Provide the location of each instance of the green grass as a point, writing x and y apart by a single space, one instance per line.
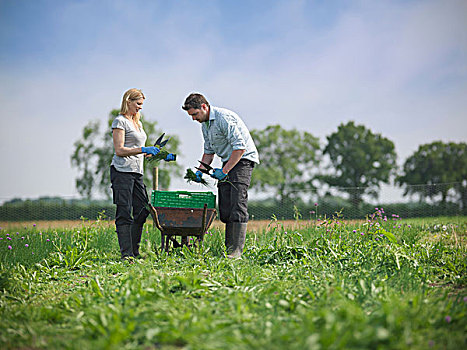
374 285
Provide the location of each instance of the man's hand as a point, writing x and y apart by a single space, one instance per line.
150 150
199 176
218 174
170 157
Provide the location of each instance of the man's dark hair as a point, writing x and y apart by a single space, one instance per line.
195 101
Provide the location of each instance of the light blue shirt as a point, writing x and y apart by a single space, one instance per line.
225 132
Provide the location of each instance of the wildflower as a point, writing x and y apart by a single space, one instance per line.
9 238
22 237
1 238
465 299
409 226
448 319
40 233
33 225
7 234
285 232
362 233
354 231
376 208
26 245
17 233
312 212
10 247
48 240
316 204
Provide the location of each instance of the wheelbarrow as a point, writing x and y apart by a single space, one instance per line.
183 222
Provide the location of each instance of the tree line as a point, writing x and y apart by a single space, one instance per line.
353 161
357 162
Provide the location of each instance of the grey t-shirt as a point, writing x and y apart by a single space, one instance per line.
133 139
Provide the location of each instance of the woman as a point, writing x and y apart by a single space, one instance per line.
126 173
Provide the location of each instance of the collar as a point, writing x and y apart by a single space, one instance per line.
212 113
212 116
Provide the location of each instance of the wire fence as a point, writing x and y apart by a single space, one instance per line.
433 200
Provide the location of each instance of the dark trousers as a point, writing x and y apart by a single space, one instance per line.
233 195
130 196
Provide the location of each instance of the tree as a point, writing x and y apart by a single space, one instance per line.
93 154
361 161
288 158
433 164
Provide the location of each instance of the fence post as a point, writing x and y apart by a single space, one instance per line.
155 178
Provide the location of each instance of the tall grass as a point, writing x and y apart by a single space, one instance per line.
331 285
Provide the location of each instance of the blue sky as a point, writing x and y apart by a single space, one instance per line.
397 67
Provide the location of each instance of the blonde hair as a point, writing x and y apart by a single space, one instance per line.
131 95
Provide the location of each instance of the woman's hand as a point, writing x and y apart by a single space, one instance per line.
150 150
171 157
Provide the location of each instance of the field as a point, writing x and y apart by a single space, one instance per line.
332 284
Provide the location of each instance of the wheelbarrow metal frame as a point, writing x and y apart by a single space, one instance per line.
183 222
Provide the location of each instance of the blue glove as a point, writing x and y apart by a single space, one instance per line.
170 157
218 174
150 150
199 176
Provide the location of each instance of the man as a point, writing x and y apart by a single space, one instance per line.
226 135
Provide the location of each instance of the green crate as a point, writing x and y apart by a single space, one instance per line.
183 199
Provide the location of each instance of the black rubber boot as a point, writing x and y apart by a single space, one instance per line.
124 240
229 244
136 232
237 236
